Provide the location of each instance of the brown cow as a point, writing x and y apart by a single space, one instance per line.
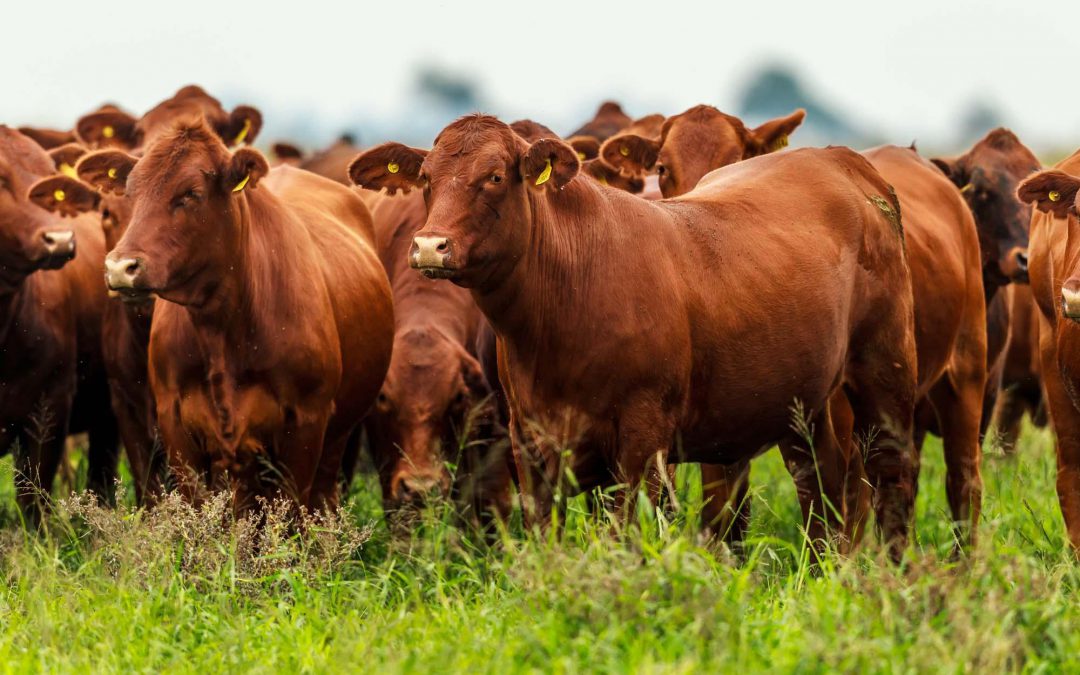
111 127
51 377
126 325
611 337
988 175
943 252
276 327
434 408
608 120
1054 269
695 142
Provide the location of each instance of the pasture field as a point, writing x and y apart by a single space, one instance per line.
177 591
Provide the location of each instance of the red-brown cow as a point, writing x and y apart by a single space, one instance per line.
608 120
51 377
126 325
277 325
611 337
1054 270
435 407
695 142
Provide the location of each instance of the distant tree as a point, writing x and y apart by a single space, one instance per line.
451 91
979 117
777 90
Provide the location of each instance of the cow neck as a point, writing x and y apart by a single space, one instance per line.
258 291
549 282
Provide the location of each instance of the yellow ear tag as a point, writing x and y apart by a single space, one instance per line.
967 188
781 142
59 195
581 156
545 174
241 184
624 151
243 132
107 131
1054 195
112 172
68 170
393 167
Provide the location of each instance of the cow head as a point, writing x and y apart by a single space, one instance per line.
988 175
48 138
1056 192
434 400
480 181
695 142
188 200
31 238
608 120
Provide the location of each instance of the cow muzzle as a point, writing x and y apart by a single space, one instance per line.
59 247
1070 299
1016 265
125 277
431 256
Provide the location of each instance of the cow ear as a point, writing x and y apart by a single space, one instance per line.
1050 191
246 169
47 138
287 152
66 157
586 147
549 162
242 127
64 195
107 128
605 175
773 135
106 170
391 165
950 166
630 153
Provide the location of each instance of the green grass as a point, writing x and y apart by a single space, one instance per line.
175 591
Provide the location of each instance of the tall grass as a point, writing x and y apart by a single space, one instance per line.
190 590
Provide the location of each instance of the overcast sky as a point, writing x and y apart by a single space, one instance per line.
907 68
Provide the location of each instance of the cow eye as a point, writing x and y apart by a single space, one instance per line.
496 178
382 402
107 219
661 169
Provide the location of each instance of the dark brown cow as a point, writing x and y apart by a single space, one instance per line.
988 175
1054 270
608 120
612 340
693 143
435 407
51 377
276 327
331 162
1021 385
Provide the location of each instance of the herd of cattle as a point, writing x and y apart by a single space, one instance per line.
639 294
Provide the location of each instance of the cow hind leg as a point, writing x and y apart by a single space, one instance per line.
726 509
882 394
103 456
957 398
819 468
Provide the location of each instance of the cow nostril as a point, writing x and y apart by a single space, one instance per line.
1022 260
132 268
443 247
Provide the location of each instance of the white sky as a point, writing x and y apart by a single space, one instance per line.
906 68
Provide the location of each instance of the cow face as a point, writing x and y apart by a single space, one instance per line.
988 176
31 238
186 196
431 404
1056 192
693 143
478 181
